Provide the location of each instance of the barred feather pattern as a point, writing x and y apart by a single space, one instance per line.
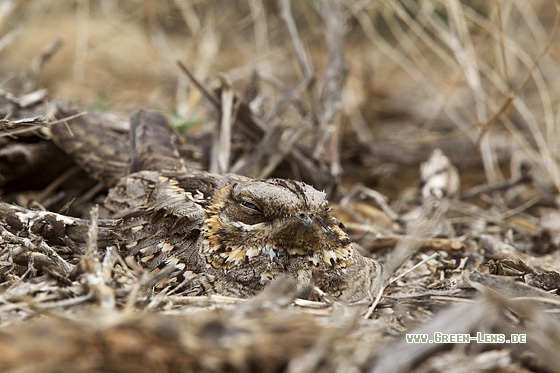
228 234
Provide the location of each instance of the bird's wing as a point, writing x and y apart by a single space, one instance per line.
162 217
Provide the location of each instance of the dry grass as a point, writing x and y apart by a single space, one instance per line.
350 96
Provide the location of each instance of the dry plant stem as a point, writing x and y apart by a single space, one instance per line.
476 213
363 132
260 30
276 144
71 231
374 304
32 98
481 189
23 122
465 54
505 105
32 74
285 147
68 118
264 150
395 279
94 273
206 300
310 304
334 19
301 52
523 207
252 125
408 64
302 160
22 130
506 286
247 118
23 125
257 128
403 251
35 255
429 243
109 260
206 93
555 302
359 189
265 158
501 41
290 96
131 300
189 15
9 38
463 48
66 302
450 299
409 244
252 166
222 139
545 140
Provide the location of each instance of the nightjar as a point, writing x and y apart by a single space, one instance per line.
226 234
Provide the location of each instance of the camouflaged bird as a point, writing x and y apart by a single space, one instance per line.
228 234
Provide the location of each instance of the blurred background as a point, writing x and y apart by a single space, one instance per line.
477 79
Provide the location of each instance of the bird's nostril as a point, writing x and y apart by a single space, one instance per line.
302 216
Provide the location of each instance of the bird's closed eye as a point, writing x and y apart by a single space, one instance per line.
251 206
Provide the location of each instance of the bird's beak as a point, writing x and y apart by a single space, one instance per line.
306 219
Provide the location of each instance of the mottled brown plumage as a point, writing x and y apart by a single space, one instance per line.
229 234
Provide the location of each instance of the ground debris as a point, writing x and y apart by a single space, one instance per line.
440 160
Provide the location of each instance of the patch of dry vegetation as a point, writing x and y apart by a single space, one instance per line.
351 96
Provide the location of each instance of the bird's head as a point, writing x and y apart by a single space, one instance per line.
272 218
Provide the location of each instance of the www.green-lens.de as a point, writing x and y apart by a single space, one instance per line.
465 338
